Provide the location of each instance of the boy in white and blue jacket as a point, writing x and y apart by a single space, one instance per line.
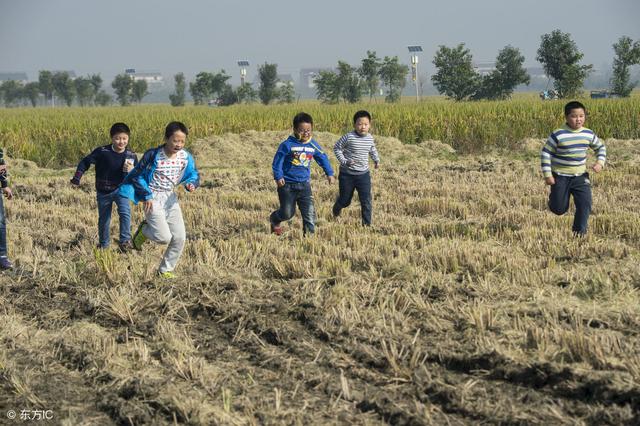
292 173
152 181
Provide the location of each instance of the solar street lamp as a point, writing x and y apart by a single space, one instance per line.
413 50
243 70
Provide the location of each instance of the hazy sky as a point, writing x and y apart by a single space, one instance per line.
107 36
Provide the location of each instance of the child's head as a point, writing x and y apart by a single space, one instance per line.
575 113
175 136
302 126
119 136
362 122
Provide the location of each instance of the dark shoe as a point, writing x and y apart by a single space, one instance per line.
275 229
5 263
336 210
139 238
126 246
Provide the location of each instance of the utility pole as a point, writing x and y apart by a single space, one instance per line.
414 68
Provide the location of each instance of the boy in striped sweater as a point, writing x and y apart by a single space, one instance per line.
353 151
563 160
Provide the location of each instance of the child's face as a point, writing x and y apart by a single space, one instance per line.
575 119
175 143
303 131
119 141
362 125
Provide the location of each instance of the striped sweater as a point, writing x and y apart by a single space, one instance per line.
353 151
565 152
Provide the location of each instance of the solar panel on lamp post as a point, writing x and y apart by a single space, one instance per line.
414 67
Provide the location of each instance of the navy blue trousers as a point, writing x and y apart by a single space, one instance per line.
578 187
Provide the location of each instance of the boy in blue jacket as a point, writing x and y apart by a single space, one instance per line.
152 181
292 172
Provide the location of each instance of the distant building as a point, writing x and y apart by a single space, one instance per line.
484 68
20 77
153 78
308 75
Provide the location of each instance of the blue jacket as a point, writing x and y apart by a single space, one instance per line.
136 184
293 160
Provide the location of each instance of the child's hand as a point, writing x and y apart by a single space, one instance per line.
550 180
3 169
331 179
376 165
597 167
148 206
190 187
127 166
7 192
280 182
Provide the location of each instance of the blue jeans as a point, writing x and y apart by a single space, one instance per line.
3 229
105 201
293 193
580 188
349 183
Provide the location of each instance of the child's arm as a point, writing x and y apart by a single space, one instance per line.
338 150
4 182
278 161
373 153
548 151
140 185
601 153
84 165
192 177
323 161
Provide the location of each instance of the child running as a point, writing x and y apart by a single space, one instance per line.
5 263
292 173
353 151
563 160
153 182
112 163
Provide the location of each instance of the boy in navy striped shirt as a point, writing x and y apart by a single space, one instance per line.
563 161
353 151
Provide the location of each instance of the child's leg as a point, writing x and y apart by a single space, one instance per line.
287 198
124 213
307 210
363 186
104 218
3 230
581 191
559 195
156 228
346 186
178 236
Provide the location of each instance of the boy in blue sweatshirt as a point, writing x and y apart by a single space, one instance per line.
292 172
112 163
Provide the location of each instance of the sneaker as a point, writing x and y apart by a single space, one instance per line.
276 229
125 247
335 210
139 238
5 263
168 275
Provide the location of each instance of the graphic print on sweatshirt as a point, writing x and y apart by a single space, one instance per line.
302 155
168 171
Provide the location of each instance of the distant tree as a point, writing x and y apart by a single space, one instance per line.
139 90
123 85
177 98
228 96
627 54
84 90
103 98
45 83
208 85
327 87
369 71
12 92
63 86
560 57
268 75
31 91
455 76
286 93
96 83
349 82
394 77
246 93
509 73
